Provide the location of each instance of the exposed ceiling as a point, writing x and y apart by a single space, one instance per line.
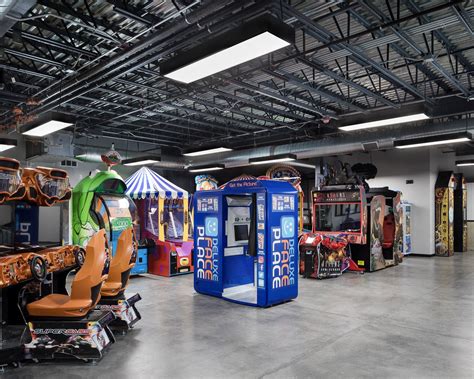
98 60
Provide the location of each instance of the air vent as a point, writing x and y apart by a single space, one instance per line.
370 146
68 163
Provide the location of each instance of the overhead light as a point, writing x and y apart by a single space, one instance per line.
207 168
251 40
273 159
465 162
442 139
207 151
46 124
141 161
385 122
7 143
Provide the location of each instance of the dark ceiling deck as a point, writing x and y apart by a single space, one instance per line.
98 60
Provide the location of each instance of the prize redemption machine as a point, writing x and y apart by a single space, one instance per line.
99 203
164 222
246 242
33 274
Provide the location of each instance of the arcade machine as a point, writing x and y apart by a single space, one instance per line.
205 182
460 214
28 271
99 202
164 214
322 257
345 207
113 290
406 227
246 240
444 214
293 176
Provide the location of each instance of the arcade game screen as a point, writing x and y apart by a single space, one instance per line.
338 217
172 217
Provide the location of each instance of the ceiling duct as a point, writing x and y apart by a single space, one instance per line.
370 146
337 145
14 8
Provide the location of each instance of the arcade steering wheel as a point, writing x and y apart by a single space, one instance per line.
39 268
80 257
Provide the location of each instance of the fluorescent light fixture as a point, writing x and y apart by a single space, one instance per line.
465 162
442 139
46 124
387 121
141 161
273 159
207 168
207 151
7 143
251 40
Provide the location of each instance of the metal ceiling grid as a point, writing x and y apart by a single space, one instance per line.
99 60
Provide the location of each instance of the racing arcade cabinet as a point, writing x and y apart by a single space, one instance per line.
29 271
99 202
246 240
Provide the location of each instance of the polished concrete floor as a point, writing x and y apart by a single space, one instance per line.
411 321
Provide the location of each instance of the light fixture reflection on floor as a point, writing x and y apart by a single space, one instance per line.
442 139
214 150
251 40
385 122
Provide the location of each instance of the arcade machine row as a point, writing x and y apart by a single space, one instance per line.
246 242
366 221
29 270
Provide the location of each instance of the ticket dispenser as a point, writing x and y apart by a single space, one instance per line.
246 242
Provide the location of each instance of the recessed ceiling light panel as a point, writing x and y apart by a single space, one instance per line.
46 124
251 40
207 151
442 139
385 122
273 159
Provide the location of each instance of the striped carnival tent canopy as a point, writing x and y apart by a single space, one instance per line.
147 183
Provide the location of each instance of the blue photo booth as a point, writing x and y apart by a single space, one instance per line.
246 242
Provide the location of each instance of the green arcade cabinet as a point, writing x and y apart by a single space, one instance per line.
99 201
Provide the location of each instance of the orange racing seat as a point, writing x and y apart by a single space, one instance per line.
121 265
86 286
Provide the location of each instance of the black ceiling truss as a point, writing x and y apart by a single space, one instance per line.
354 57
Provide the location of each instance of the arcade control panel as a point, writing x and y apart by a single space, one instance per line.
18 267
